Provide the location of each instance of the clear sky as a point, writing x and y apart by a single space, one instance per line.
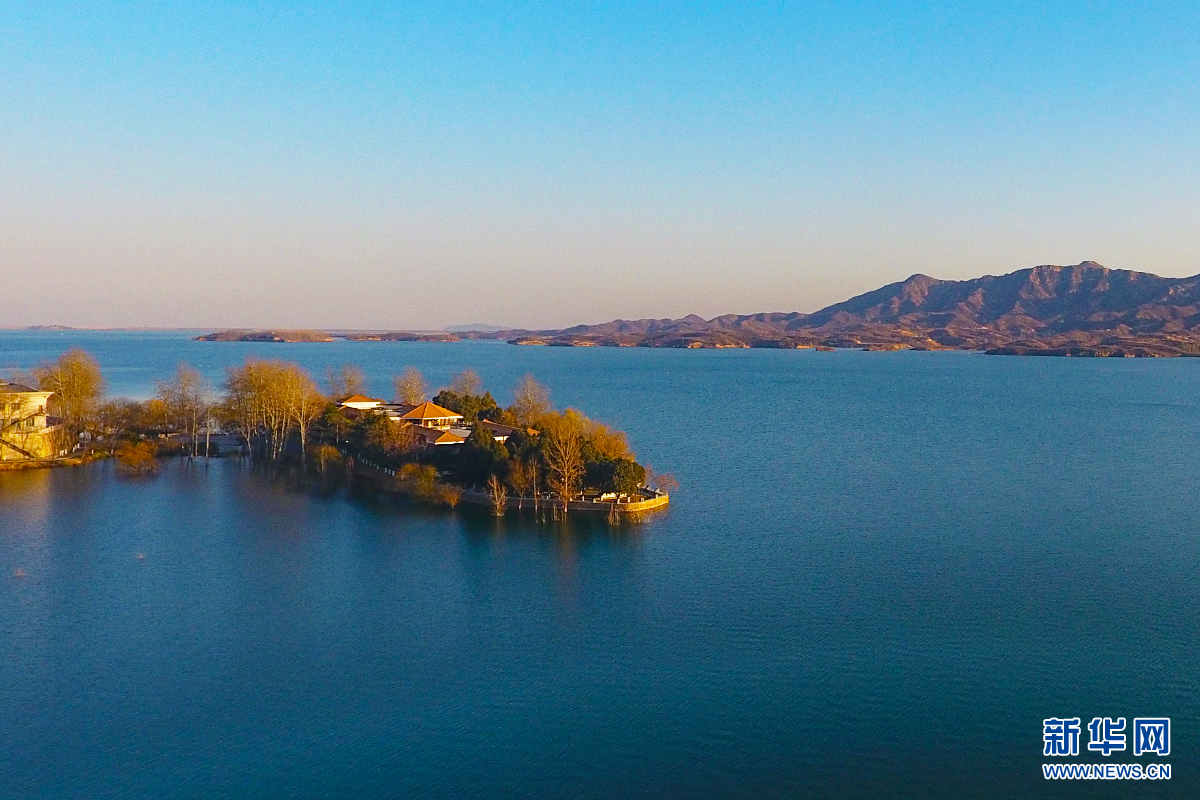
410 165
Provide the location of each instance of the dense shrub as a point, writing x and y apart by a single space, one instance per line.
137 458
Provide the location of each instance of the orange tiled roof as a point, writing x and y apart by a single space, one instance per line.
428 410
433 436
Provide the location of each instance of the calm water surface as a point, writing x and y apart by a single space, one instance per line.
882 572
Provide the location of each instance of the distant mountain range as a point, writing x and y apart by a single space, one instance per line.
1080 310
1085 309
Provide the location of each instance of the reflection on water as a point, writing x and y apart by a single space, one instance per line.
27 492
27 496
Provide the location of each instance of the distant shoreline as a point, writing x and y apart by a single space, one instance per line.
879 340
1085 310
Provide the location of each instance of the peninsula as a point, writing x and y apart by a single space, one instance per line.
458 446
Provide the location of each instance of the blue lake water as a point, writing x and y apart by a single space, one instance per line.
882 572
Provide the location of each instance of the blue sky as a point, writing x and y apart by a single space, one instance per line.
417 165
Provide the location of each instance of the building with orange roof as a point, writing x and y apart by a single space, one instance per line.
435 437
431 415
502 431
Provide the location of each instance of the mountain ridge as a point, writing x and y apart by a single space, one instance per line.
1079 307
1083 309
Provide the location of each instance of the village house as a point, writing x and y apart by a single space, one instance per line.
431 415
27 431
431 424
435 437
501 431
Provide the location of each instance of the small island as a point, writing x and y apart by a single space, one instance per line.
260 335
402 336
458 446
306 335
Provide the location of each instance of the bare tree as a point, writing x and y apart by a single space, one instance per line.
387 438
524 479
531 401
450 495
660 481
302 400
78 386
255 403
118 417
562 449
188 402
498 495
325 455
466 382
345 381
410 387
666 483
273 398
244 400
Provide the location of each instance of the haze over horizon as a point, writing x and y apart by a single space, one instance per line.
370 167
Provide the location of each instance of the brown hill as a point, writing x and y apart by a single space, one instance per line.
1084 297
1085 309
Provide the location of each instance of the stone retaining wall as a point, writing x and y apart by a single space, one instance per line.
651 499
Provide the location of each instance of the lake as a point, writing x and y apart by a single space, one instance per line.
882 571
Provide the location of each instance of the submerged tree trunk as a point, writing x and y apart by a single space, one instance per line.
498 495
